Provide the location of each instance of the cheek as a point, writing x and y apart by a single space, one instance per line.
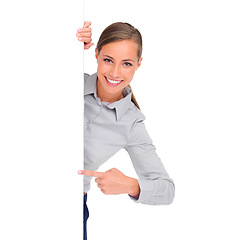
129 74
102 68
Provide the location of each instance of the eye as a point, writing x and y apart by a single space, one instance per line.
107 60
127 64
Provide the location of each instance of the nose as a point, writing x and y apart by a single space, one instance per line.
115 71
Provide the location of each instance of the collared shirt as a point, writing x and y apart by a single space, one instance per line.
109 127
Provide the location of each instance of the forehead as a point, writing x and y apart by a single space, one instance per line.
120 49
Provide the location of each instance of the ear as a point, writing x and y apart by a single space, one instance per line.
139 62
96 54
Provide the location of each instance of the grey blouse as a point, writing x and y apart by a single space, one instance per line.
109 127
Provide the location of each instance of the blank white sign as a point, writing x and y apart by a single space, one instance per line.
41 119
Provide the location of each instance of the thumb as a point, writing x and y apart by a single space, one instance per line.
112 170
86 24
88 45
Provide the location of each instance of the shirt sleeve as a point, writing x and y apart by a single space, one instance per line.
156 187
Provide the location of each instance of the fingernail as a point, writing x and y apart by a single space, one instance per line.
79 38
79 30
78 34
79 172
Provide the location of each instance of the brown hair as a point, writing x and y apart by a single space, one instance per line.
121 31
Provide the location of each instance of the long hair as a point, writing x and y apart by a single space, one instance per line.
121 31
133 99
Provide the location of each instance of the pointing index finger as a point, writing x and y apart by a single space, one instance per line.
91 173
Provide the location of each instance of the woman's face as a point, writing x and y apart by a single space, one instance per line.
117 63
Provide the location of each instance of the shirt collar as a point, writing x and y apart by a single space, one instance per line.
121 106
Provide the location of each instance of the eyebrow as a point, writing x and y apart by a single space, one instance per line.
124 60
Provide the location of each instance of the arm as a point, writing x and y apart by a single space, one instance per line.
153 186
84 35
156 187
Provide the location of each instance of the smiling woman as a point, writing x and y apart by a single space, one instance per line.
112 121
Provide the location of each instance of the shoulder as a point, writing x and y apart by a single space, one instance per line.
138 133
86 76
135 114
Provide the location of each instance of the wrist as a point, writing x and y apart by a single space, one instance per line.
134 189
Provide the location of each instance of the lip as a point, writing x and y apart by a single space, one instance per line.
113 84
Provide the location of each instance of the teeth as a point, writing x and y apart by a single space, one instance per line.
112 81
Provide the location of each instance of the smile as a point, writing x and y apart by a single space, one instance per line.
112 82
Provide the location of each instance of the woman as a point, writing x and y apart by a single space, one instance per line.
114 121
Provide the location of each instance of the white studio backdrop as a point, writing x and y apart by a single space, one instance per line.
41 119
180 89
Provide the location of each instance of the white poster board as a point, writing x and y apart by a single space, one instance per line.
41 119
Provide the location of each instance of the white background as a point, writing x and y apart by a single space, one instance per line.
41 111
180 89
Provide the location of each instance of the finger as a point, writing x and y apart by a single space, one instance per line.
103 191
85 39
86 24
85 34
91 173
98 180
84 30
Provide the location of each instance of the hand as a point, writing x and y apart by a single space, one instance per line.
114 182
84 35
